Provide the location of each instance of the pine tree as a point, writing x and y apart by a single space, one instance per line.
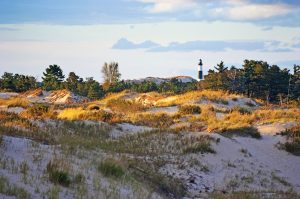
53 78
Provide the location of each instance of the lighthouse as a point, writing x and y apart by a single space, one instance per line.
200 70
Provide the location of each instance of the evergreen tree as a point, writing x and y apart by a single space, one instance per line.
95 91
53 78
72 82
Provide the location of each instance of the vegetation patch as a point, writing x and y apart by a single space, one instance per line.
244 132
9 119
39 111
58 174
254 195
111 168
189 109
12 190
124 106
14 102
156 120
293 143
204 147
82 114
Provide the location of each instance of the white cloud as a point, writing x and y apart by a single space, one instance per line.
257 11
158 6
237 10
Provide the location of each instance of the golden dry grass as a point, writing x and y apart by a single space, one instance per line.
194 96
82 114
111 96
14 102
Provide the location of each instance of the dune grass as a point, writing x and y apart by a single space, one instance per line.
14 102
194 96
111 168
83 114
12 190
255 195
112 96
125 106
8 119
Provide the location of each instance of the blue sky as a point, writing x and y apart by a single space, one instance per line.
147 37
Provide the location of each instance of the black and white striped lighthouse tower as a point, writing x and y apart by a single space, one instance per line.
200 70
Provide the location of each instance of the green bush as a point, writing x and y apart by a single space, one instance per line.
58 175
111 168
293 143
189 109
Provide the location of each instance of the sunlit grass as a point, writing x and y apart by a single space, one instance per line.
194 96
14 102
83 114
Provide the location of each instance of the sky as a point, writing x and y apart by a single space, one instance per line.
160 38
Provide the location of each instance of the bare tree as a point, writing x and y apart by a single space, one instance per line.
111 74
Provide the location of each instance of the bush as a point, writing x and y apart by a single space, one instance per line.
293 143
58 175
189 109
111 168
39 111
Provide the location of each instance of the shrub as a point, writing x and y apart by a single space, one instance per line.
58 175
38 111
189 109
111 168
293 143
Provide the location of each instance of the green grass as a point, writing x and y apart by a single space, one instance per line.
58 175
111 168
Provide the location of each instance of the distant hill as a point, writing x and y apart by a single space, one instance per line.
159 80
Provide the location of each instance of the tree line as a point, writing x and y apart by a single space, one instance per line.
255 79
